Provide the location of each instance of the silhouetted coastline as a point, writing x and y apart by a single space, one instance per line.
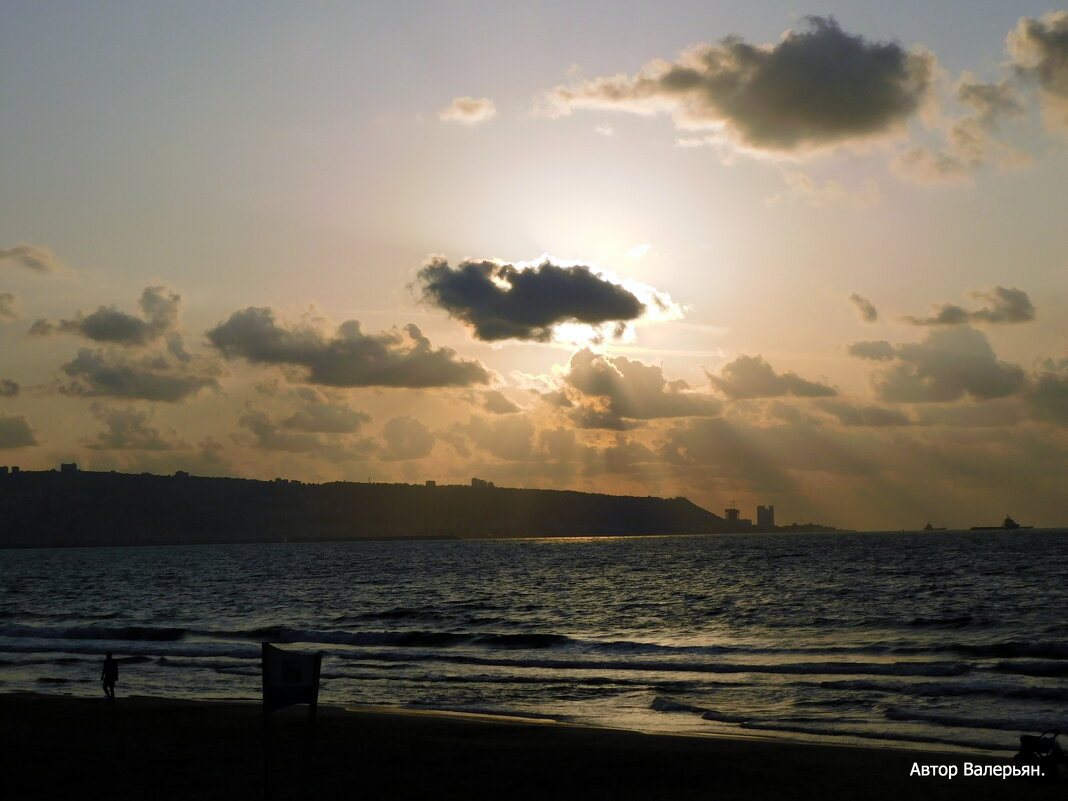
71 507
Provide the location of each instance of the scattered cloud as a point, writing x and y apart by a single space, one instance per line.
468 110
154 377
970 141
9 388
948 365
15 432
1047 392
604 130
32 257
348 358
1003 306
626 388
129 429
851 414
159 306
1039 50
752 377
815 88
406 438
877 350
510 438
804 190
502 301
8 310
275 435
865 308
495 402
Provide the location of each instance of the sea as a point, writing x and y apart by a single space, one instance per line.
940 639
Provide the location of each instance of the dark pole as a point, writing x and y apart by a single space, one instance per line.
310 735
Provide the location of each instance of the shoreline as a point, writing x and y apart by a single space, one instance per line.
67 746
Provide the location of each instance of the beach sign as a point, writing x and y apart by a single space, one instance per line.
289 678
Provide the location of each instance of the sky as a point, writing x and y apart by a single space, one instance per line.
812 257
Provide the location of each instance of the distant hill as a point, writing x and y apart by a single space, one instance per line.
75 508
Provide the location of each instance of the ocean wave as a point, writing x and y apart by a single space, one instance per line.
1033 667
1043 723
126 633
947 689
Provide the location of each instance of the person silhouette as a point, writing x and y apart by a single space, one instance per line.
108 676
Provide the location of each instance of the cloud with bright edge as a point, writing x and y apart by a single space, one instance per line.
346 358
815 88
537 301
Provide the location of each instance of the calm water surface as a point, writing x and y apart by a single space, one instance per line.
957 638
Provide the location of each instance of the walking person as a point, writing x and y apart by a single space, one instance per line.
108 676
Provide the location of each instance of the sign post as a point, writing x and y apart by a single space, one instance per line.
288 678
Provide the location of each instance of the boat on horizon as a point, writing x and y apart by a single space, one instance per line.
1008 525
929 527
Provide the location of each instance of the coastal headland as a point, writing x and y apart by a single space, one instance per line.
65 747
80 508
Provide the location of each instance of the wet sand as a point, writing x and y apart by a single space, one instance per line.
147 748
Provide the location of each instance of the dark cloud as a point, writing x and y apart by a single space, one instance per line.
9 388
32 257
8 311
752 377
15 432
876 350
129 429
406 438
865 308
1004 306
159 306
850 414
468 110
1039 49
496 403
349 359
1047 392
630 389
501 301
274 435
153 377
949 364
816 87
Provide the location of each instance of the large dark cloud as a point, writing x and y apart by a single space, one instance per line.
159 307
1039 48
159 377
949 364
15 432
630 389
348 359
501 301
129 429
32 257
815 87
752 377
1004 306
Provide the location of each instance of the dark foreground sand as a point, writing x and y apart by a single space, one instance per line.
79 748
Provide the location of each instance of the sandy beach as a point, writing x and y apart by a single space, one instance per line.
148 748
